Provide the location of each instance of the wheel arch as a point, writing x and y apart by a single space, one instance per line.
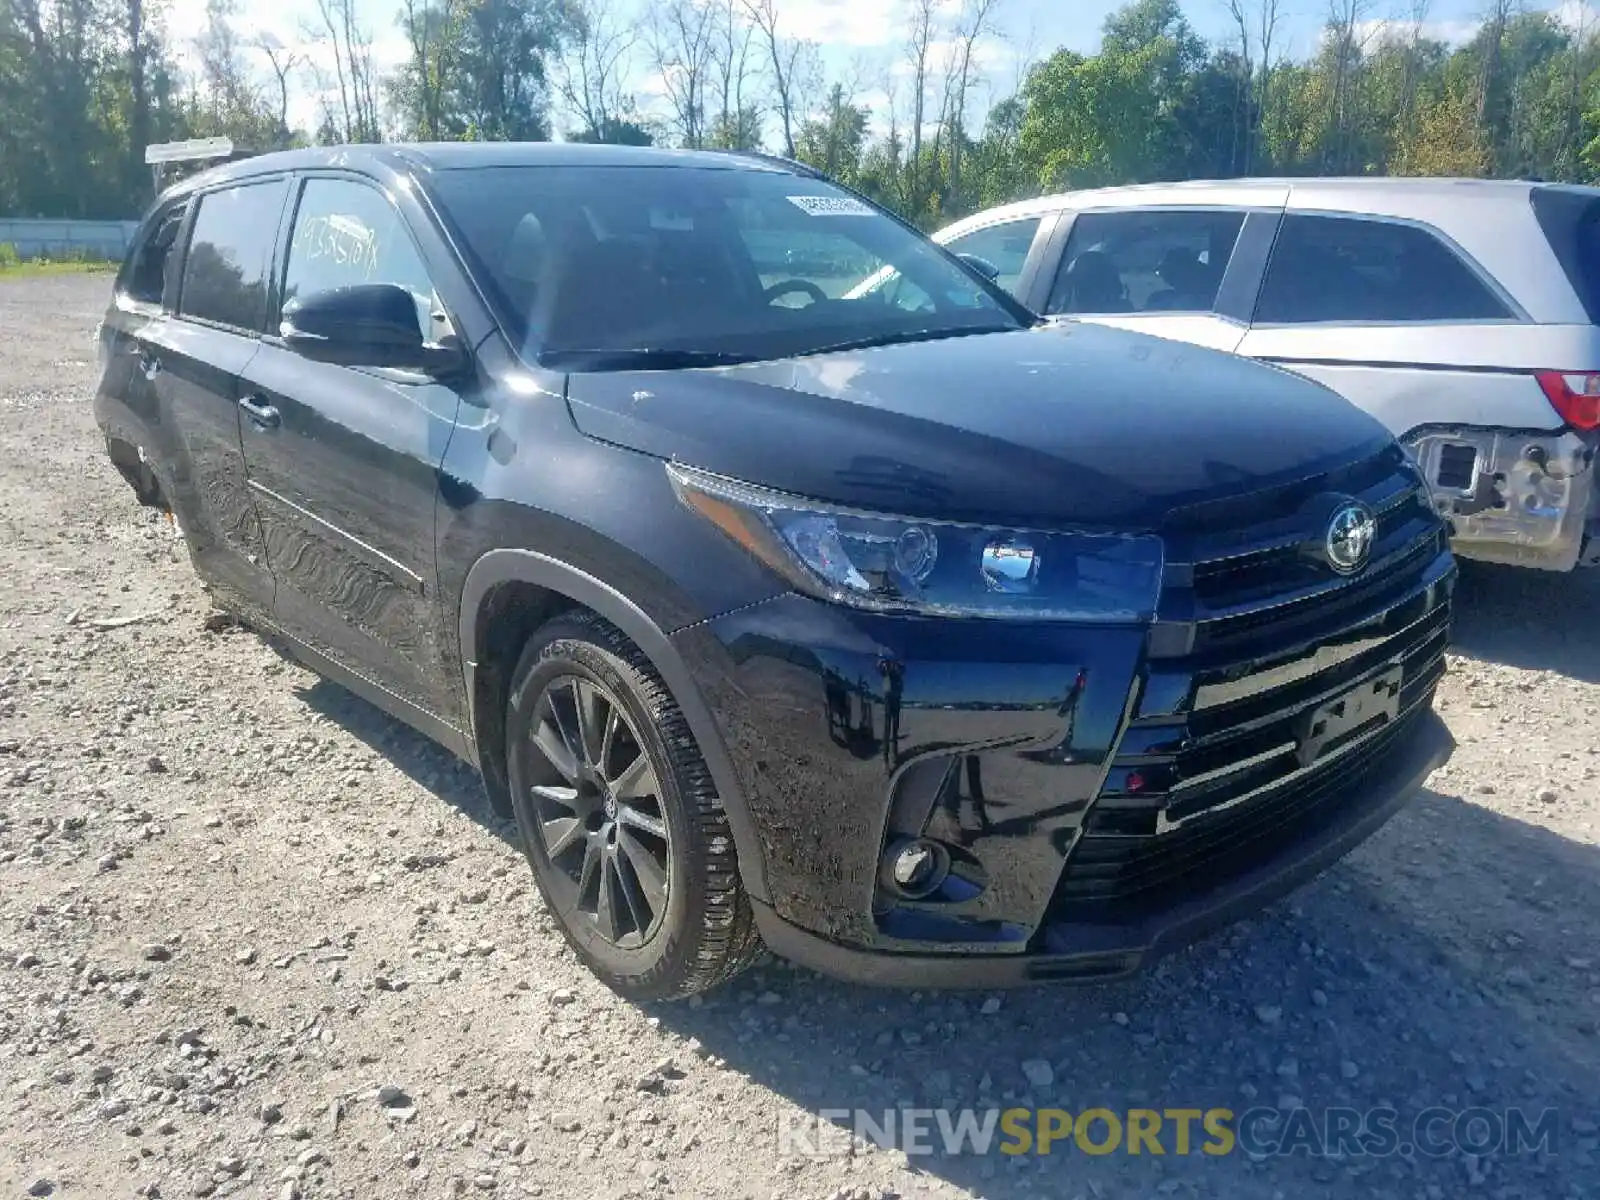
558 586
139 473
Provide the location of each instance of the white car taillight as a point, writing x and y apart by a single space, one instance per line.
1574 395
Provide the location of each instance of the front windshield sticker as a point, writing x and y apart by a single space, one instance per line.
831 206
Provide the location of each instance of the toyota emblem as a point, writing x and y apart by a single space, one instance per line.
1351 533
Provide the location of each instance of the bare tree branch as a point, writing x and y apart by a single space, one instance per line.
975 23
590 80
918 45
790 60
283 62
680 47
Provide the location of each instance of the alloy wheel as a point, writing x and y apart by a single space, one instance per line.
598 809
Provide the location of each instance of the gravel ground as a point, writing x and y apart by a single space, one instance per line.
258 939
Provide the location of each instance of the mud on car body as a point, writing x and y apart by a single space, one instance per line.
921 640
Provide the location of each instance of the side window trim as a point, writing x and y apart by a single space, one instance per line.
1247 268
196 201
1068 221
1037 261
1051 260
1033 263
173 284
280 257
1516 313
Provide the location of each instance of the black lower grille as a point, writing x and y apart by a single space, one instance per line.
1224 761
1137 874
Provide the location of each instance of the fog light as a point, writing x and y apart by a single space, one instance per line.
917 867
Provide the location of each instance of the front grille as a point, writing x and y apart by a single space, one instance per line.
1241 576
1273 689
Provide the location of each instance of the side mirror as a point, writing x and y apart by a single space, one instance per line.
981 265
365 325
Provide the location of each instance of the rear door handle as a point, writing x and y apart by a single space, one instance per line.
264 415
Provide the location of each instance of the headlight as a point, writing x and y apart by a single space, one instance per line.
901 564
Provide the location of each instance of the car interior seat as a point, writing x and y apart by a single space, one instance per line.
1094 285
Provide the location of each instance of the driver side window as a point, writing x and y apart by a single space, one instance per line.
347 233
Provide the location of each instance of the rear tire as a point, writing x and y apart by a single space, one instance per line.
621 823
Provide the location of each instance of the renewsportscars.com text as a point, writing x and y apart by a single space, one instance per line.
1259 1132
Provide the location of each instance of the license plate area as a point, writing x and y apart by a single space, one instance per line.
1364 709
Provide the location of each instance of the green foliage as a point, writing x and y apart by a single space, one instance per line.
616 131
739 130
479 69
834 140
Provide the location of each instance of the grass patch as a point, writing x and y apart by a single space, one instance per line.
29 270
14 266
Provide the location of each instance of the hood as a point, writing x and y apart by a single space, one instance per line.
1071 424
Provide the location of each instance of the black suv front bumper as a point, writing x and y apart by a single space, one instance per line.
1104 804
1068 951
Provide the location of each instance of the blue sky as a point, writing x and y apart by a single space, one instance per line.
862 40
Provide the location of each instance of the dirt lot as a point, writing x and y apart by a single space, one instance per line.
236 902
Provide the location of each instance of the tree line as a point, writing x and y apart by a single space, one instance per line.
85 85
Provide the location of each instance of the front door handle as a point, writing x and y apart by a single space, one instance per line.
264 415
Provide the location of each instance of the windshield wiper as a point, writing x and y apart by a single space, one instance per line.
915 335
641 358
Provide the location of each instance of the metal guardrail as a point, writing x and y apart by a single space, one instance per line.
43 238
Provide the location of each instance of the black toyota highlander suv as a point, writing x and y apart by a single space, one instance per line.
918 641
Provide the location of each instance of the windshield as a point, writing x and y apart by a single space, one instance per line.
608 264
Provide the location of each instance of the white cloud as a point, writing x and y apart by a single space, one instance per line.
1574 15
989 56
1451 33
652 85
1577 15
858 24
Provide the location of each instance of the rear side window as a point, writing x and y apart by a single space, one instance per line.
230 255
144 275
1571 223
1005 246
1145 261
1358 269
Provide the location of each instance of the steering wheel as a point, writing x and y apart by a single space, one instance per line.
783 288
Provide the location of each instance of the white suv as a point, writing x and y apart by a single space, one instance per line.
1464 314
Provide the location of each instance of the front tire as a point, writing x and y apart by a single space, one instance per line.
621 823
